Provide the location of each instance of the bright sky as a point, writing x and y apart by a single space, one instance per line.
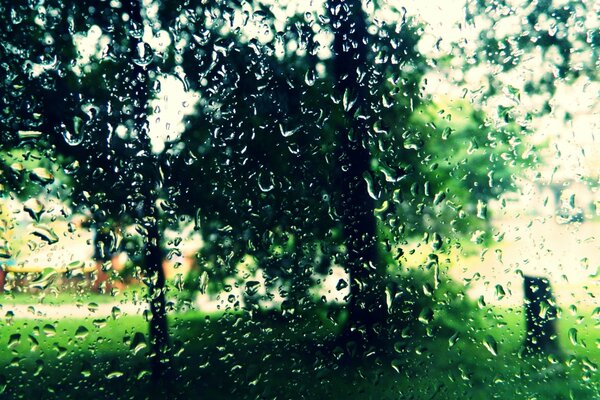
169 108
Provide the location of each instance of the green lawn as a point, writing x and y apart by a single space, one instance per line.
73 296
233 356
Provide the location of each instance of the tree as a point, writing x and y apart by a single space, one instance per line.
283 201
298 157
376 160
76 110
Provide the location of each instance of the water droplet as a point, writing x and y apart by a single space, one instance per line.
387 100
81 332
589 364
396 365
426 315
342 284
446 132
17 167
144 54
198 220
34 208
252 287
138 343
49 330
203 282
74 135
348 101
47 277
370 186
491 345
45 233
389 298
5 249
33 342
114 374
39 367
453 339
41 175
481 209
573 336
309 77
265 182
116 312
384 206
500 293
61 351
99 323
544 309
14 340
86 369
288 133
25 135
481 302
436 241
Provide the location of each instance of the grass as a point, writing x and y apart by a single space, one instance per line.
230 355
508 326
73 296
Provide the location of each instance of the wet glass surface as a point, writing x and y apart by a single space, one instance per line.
290 199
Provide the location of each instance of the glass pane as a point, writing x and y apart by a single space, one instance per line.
263 199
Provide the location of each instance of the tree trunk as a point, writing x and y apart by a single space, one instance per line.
148 172
298 275
540 317
366 304
159 334
102 252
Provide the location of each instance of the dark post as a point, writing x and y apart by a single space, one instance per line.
540 317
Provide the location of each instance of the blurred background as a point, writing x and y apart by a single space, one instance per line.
292 199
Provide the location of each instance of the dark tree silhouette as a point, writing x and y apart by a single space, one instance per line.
366 305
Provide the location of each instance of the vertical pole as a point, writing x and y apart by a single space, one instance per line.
540 317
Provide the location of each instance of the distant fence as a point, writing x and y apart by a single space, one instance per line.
23 271
37 269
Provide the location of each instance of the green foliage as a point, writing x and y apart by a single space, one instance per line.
561 37
424 301
258 164
27 172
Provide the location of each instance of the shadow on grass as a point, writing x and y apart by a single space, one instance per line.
272 357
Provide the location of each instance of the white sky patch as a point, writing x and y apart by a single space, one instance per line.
169 108
444 21
574 150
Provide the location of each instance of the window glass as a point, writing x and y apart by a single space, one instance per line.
290 199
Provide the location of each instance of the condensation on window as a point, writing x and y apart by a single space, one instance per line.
289 199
